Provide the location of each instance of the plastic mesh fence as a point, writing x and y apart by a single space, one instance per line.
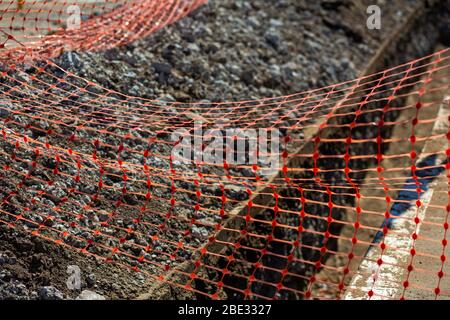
351 166
49 27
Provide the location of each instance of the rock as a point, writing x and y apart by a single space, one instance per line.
253 21
162 67
273 39
112 54
70 61
332 4
199 232
193 47
4 113
91 279
236 192
90 295
50 293
164 70
103 216
276 23
248 77
3 259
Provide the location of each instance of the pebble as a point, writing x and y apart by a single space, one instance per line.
50 293
90 295
91 279
164 68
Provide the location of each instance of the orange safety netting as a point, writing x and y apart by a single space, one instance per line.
50 27
94 170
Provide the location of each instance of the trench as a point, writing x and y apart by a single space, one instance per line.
414 40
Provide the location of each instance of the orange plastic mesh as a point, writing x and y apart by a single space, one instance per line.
93 170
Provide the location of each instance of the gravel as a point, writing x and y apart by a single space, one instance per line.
231 50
